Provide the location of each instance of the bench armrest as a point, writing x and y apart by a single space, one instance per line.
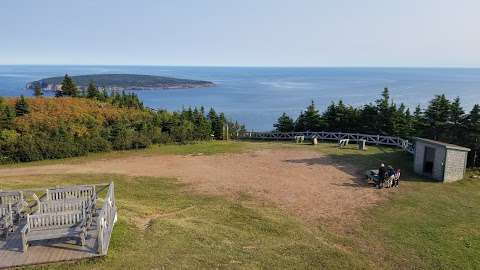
24 229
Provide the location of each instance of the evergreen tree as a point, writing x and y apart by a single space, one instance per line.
418 124
213 119
368 119
332 117
69 88
7 116
203 128
221 121
310 119
37 90
473 135
21 106
437 118
456 123
103 95
385 112
401 120
284 124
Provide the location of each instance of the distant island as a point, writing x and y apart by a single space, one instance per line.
120 82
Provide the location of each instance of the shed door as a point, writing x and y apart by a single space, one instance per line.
428 160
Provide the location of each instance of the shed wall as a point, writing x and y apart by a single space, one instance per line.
438 166
455 165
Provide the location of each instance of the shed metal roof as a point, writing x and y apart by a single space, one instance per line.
446 145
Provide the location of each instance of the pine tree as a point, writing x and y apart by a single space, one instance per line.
300 123
103 95
7 115
368 119
69 88
437 118
203 128
418 122
385 110
310 119
331 117
221 121
284 124
473 138
21 106
37 90
456 123
213 119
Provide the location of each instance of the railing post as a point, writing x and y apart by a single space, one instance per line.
100 232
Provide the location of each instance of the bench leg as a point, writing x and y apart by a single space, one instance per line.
82 238
24 244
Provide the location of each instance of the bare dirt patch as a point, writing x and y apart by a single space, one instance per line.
303 182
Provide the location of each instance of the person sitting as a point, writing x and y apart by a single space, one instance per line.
396 179
390 176
382 172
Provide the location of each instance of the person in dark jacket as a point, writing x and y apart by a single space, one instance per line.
382 172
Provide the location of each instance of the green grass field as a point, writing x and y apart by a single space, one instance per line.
195 148
162 225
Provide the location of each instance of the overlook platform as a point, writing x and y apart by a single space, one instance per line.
96 244
48 251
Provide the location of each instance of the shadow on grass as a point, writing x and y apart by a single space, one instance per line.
356 162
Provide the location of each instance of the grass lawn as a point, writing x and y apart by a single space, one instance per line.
422 225
196 231
195 148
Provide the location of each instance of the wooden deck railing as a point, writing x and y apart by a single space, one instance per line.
107 217
336 136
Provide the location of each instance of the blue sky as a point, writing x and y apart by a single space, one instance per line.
242 32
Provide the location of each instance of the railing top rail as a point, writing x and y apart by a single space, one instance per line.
377 139
101 185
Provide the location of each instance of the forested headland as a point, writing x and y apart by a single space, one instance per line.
79 122
443 119
119 82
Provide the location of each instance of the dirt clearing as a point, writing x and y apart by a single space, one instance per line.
299 181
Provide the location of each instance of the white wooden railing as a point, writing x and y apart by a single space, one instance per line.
106 220
336 136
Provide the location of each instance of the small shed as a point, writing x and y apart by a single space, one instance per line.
441 161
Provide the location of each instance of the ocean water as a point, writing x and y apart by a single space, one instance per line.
257 96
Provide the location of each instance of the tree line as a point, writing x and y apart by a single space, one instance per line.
76 123
443 120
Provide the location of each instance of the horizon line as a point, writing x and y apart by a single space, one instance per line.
239 66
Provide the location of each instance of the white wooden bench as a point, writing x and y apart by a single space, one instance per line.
85 192
342 143
68 205
6 219
15 199
54 226
299 139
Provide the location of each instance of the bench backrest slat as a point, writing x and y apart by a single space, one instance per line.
11 197
74 192
48 221
63 206
5 210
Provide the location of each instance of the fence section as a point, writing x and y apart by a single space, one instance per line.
334 136
106 220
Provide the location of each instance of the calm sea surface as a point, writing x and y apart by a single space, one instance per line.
257 96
